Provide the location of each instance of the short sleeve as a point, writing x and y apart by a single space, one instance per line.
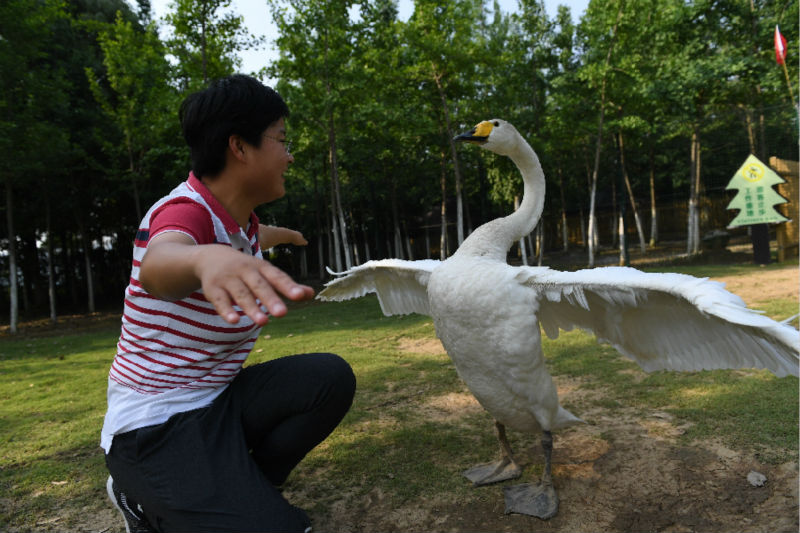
184 216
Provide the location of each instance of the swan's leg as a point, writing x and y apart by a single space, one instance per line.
501 470
539 500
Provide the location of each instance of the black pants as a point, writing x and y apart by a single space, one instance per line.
217 468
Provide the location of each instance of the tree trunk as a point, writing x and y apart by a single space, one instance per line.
51 283
443 235
321 233
303 263
583 228
748 124
598 146
409 249
354 225
540 242
365 238
762 129
87 259
28 264
564 229
397 234
203 44
454 154
427 243
623 253
653 210
13 289
132 169
614 222
522 248
337 198
693 222
336 249
376 230
592 233
639 230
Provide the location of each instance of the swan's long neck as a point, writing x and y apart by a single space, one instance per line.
496 237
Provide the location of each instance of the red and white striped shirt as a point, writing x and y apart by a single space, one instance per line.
175 356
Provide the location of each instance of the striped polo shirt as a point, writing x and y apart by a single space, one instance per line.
175 356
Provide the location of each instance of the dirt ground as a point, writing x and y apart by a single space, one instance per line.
765 286
625 472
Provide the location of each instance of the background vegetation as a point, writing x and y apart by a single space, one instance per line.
670 95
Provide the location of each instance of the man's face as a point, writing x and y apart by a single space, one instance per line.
270 162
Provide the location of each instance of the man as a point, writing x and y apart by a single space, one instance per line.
193 441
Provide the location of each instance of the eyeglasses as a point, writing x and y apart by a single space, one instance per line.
286 144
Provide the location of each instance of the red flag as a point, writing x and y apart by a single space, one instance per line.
780 46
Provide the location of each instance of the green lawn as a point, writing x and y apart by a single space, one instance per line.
52 401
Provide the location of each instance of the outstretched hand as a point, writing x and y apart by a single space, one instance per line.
269 236
174 267
231 278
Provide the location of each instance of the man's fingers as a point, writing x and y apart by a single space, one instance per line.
244 296
258 287
298 239
284 284
250 284
222 303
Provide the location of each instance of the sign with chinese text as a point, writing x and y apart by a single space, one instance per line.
756 199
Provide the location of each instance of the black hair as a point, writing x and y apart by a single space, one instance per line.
235 105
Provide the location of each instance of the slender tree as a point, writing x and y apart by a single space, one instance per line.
599 78
137 74
205 40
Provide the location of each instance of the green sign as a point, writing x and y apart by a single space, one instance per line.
756 199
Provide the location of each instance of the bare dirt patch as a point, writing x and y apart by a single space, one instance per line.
765 286
424 346
622 471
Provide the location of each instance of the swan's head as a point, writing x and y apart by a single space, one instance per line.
495 135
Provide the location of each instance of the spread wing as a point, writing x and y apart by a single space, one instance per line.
663 321
401 286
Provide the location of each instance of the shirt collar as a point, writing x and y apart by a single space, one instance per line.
231 226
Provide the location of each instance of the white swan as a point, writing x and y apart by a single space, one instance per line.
487 315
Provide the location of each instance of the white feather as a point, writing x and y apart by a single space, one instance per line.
664 321
487 313
401 286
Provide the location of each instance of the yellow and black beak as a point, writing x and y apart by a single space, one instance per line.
477 135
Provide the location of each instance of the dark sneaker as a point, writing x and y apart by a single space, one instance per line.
135 521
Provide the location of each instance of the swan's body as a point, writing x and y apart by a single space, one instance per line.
505 372
487 315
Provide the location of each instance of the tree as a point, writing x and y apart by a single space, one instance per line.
598 76
315 52
445 45
28 81
698 69
205 41
137 74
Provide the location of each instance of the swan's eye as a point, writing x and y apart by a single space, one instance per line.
496 123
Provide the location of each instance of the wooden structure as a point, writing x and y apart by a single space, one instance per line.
787 232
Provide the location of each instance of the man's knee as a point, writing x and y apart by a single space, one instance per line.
339 374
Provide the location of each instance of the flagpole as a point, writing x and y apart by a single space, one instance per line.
788 82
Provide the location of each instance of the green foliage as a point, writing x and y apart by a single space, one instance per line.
90 91
137 74
205 41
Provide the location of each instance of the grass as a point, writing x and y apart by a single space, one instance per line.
52 401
